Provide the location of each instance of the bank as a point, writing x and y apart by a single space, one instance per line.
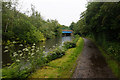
62 67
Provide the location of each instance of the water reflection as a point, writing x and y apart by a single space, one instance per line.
66 38
48 45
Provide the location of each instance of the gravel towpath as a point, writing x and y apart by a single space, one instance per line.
91 63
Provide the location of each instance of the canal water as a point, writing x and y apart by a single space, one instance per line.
49 45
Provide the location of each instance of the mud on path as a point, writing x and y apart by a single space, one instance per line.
91 63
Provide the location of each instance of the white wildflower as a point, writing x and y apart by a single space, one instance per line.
15 55
37 50
14 42
6 51
21 45
32 54
34 44
19 51
17 60
21 54
23 49
26 49
32 49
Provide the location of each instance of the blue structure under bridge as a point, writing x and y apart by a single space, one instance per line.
67 32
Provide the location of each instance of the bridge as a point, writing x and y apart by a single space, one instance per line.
67 32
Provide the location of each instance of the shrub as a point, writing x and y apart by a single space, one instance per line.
113 50
25 59
68 45
76 38
57 53
31 56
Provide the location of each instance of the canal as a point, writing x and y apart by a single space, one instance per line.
49 45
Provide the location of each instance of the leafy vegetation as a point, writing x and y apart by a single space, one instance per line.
20 35
62 67
30 29
68 45
56 53
112 63
65 27
26 60
100 22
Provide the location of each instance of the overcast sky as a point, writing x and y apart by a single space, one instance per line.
65 11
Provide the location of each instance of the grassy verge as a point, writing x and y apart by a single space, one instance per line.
111 63
62 67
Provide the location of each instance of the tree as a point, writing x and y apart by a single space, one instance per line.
72 25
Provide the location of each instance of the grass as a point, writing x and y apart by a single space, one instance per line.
111 63
62 67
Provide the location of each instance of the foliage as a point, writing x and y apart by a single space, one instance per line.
31 29
62 67
101 23
15 72
23 30
29 57
113 50
111 63
76 38
71 44
57 53
68 45
25 60
65 27
72 25
60 51
79 27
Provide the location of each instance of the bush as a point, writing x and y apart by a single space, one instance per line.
68 45
57 53
14 72
113 49
76 38
26 59
35 56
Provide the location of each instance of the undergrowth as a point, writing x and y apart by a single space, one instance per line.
62 67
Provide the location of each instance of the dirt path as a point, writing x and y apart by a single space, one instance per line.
91 63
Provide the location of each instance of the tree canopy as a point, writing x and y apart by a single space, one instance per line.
101 22
31 29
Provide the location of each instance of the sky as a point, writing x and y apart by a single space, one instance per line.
64 11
